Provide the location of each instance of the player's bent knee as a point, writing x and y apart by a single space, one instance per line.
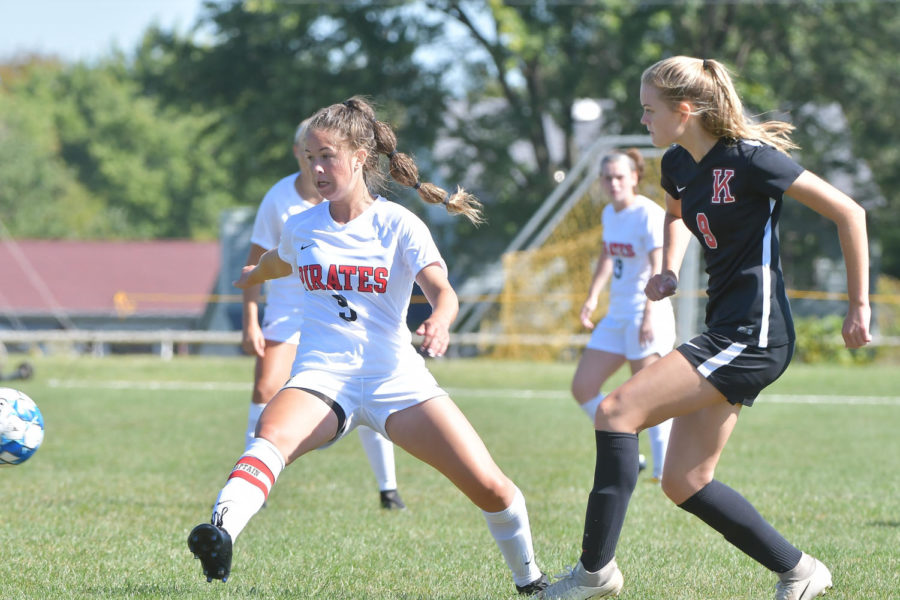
679 489
262 393
613 414
496 493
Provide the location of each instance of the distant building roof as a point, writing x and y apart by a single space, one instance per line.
107 278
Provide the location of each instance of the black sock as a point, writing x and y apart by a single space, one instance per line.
615 476
734 517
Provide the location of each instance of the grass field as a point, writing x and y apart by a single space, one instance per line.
137 449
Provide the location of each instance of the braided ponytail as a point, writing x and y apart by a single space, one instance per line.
354 119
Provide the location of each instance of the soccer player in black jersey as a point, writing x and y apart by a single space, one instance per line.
724 179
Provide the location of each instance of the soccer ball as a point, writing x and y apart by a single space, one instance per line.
21 427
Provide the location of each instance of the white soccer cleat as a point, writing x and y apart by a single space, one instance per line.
811 586
580 584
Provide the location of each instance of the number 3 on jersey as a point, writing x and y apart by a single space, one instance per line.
708 238
342 302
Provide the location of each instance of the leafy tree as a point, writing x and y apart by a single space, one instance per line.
155 146
98 159
799 59
40 196
268 65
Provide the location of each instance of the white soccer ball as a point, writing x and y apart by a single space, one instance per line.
21 427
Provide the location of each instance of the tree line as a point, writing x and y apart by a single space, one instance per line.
154 142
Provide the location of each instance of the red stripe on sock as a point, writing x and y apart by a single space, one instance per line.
250 468
248 477
255 462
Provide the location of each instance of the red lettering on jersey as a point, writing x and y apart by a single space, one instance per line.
708 238
333 282
314 276
364 274
620 249
301 271
340 277
721 190
381 279
347 271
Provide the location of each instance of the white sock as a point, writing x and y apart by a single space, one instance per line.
252 419
380 452
659 442
248 486
590 407
512 533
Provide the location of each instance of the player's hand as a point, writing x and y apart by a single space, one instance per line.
253 342
436 337
662 285
243 281
586 311
856 327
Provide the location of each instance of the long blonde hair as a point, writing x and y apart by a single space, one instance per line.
707 84
354 122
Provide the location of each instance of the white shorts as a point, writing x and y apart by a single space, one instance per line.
367 400
282 324
621 336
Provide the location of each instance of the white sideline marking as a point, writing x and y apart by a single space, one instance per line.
223 386
208 386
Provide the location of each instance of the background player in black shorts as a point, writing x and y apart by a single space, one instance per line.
724 179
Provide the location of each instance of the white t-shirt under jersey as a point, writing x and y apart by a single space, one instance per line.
628 237
279 203
357 280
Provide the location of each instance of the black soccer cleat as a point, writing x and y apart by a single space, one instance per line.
212 545
390 500
534 587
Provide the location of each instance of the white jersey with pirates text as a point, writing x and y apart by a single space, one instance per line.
357 279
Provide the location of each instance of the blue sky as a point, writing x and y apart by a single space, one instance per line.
86 29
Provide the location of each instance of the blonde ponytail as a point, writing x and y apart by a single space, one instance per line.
708 86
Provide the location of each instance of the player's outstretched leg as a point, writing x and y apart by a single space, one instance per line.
212 545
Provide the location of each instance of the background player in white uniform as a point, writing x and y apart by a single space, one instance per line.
357 257
275 342
724 179
633 329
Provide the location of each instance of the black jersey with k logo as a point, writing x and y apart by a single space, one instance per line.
731 201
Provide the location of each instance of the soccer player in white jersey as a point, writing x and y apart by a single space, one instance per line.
357 256
275 342
633 330
724 178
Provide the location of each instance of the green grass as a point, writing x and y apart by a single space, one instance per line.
104 508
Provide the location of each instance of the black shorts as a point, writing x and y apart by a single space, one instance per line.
738 371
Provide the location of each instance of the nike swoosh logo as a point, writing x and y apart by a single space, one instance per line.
680 188
307 246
